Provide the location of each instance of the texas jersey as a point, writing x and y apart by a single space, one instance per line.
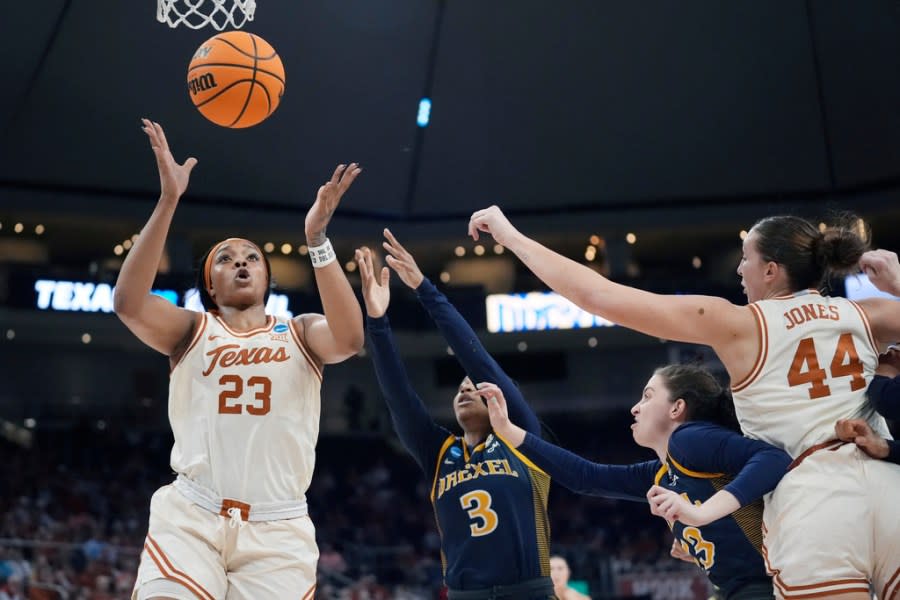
816 359
244 409
491 508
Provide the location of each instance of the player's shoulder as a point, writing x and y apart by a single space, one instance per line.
691 442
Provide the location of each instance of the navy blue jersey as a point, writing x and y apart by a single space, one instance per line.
488 501
702 459
492 508
884 394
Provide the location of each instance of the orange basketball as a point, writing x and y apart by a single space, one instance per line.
236 79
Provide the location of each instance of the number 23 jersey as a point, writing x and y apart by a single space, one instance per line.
491 509
244 409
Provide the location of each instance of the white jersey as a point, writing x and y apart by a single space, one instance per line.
244 408
817 357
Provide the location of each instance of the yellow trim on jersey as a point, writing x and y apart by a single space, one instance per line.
437 466
519 455
696 474
659 474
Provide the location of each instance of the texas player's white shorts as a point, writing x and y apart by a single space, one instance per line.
831 526
191 553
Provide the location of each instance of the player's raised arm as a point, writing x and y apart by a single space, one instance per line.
478 364
339 334
157 322
695 319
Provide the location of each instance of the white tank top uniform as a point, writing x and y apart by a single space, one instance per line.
829 526
244 409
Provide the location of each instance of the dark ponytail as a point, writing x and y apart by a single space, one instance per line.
705 398
810 255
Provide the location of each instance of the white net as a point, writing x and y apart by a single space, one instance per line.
195 14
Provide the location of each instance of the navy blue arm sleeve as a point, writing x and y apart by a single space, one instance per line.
471 354
756 466
418 432
625 482
893 452
884 394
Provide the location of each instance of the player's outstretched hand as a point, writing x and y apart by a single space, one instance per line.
375 288
672 506
327 200
499 414
678 552
173 178
491 220
860 433
883 269
400 260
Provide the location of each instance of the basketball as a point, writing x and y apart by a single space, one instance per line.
236 79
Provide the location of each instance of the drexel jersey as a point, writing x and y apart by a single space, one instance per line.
728 549
816 359
491 509
244 408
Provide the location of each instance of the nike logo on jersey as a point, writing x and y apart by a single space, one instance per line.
448 461
214 337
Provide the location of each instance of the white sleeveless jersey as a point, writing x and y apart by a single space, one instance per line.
817 358
244 408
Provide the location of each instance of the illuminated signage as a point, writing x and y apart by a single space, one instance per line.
77 296
858 287
537 311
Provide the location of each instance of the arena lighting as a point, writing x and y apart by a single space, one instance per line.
537 311
424 114
76 296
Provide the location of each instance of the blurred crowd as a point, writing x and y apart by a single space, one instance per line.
74 512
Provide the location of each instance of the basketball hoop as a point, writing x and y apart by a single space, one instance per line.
200 13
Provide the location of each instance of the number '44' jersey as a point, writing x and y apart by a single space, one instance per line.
491 508
817 357
244 408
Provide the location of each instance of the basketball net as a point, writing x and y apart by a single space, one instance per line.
200 13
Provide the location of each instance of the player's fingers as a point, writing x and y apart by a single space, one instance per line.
473 230
349 176
163 142
401 249
336 176
385 276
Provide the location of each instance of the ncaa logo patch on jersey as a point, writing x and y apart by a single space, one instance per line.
279 333
455 452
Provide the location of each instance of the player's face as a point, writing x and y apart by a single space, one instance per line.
752 269
468 406
238 274
652 414
559 571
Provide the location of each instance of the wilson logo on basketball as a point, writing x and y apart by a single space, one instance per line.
231 355
202 83
202 52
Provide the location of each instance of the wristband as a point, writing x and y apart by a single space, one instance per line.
322 256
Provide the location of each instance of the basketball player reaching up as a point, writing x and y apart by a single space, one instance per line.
707 483
490 501
243 406
799 362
